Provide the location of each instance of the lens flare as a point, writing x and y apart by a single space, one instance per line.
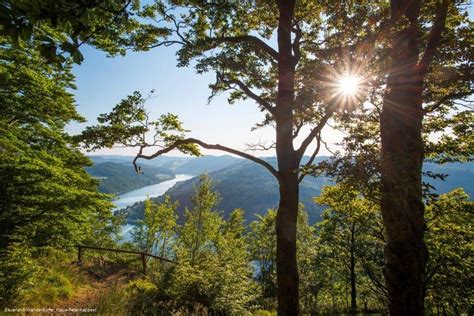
349 85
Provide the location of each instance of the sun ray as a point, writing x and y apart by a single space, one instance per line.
349 85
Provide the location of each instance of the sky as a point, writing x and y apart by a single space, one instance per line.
102 82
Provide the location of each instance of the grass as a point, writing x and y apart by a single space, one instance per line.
113 301
57 279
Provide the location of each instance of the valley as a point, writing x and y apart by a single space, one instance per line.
240 184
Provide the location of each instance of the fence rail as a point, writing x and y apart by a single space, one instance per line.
143 255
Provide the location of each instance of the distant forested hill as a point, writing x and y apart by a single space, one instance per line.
184 165
208 164
460 175
244 185
249 186
120 177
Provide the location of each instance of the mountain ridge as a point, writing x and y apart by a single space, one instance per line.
244 184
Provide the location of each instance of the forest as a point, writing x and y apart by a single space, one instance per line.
116 178
369 229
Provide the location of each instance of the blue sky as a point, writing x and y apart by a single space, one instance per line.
102 82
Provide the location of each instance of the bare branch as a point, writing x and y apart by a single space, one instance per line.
316 130
260 147
297 43
165 44
327 148
187 141
313 156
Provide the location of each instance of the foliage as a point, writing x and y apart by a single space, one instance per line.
296 85
352 224
55 279
447 120
17 274
38 277
154 234
42 172
129 125
262 243
212 271
261 239
48 198
450 240
209 253
350 241
60 27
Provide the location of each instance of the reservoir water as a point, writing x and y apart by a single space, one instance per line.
153 190
141 194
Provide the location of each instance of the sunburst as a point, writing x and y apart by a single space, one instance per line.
349 85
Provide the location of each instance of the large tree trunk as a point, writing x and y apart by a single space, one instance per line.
402 159
288 163
287 270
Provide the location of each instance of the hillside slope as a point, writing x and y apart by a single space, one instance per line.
208 164
250 187
117 178
185 165
245 185
459 175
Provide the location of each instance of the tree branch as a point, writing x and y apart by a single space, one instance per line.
435 36
187 141
297 43
261 147
252 40
444 99
265 104
316 130
298 126
313 156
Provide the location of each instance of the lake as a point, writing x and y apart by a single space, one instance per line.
142 194
153 190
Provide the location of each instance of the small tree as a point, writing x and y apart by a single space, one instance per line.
351 234
450 238
213 267
262 244
154 234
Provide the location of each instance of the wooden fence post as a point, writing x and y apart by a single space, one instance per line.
144 263
79 254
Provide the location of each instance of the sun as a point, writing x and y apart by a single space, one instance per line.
348 85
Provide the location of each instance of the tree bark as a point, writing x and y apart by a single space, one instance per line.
353 273
402 159
287 271
288 163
